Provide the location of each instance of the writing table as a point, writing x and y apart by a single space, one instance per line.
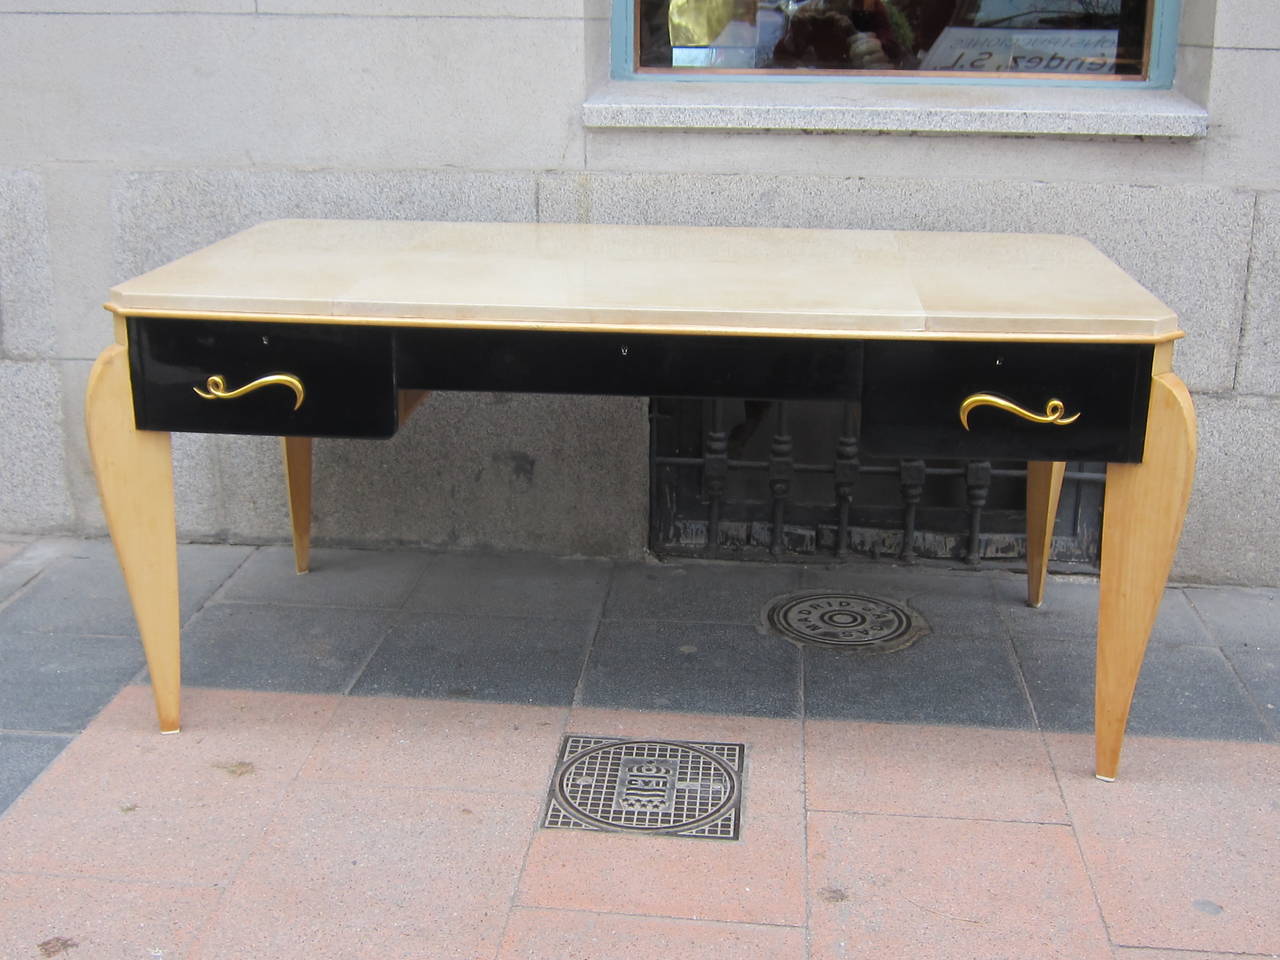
983 346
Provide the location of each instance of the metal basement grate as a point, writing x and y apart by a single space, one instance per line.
647 786
849 621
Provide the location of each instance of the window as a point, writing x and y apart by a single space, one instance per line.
987 40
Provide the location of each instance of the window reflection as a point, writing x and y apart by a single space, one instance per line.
1078 38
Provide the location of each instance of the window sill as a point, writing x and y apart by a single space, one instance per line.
895 108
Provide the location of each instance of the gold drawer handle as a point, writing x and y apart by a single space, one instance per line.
1053 410
216 387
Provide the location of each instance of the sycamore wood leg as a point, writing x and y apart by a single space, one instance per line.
1044 486
1141 523
297 475
135 478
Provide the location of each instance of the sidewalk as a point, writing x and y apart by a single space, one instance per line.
367 751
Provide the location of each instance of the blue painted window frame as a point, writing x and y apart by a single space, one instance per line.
1164 45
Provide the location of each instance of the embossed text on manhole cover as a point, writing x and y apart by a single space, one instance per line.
689 789
846 620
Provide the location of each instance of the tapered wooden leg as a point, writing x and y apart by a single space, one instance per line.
1044 486
135 478
1141 523
297 475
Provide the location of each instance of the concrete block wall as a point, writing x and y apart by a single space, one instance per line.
134 131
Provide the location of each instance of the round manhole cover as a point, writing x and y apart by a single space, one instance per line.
846 620
650 785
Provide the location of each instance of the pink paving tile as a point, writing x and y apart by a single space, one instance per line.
440 743
1140 953
570 935
274 731
756 879
352 871
933 888
124 802
98 919
1184 848
930 771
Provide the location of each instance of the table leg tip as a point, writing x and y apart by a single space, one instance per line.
1099 776
165 733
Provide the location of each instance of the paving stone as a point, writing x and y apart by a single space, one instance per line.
933 771
558 934
1070 612
958 602
1183 691
1239 618
710 592
1182 847
131 805
502 747
364 870
501 659
62 916
83 593
712 667
263 647
225 733
23 757
512 586
338 578
936 889
1260 671
21 565
940 679
58 682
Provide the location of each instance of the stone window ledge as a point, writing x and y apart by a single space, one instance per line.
850 107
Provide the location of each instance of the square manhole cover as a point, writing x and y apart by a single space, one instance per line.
677 787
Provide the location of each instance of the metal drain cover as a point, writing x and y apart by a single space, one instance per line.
647 786
850 621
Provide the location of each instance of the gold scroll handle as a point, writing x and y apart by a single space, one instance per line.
1053 410
216 387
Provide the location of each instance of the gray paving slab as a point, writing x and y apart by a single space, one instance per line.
1238 617
692 667
947 677
58 682
502 659
1259 668
512 586
961 601
1183 691
255 646
1070 612
83 591
705 592
901 581
28 561
23 757
337 578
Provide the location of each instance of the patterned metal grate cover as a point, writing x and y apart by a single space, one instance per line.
680 788
849 621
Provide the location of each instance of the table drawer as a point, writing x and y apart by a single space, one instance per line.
634 364
914 393
277 379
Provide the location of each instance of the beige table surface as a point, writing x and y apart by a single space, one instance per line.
709 280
